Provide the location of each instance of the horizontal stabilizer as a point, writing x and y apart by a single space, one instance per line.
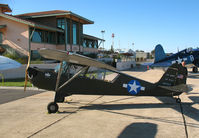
159 53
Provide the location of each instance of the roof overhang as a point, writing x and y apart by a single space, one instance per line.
92 37
32 24
5 8
68 14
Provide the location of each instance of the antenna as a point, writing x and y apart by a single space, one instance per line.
119 44
103 31
113 35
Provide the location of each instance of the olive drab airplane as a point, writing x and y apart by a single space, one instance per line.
78 74
189 56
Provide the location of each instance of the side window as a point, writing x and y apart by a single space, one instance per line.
101 74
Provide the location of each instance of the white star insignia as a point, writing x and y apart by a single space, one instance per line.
133 87
179 60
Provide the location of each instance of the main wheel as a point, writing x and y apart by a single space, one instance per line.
52 107
195 69
178 100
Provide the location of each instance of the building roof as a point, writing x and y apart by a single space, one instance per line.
92 37
30 23
57 13
5 8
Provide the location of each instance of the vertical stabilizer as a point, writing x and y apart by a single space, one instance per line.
176 74
159 53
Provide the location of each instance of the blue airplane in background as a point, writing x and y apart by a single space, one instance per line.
189 56
7 63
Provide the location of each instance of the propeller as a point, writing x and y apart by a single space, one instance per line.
26 73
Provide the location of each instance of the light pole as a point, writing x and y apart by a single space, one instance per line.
103 31
132 45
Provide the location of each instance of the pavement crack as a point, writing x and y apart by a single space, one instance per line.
55 122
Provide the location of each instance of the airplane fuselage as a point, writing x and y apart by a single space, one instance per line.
122 85
190 57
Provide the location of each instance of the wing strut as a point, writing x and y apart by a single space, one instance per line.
80 71
58 76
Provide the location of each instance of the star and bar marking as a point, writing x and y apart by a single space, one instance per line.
134 87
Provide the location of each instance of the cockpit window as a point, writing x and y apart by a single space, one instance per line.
100 74
64 67
91 73
68 68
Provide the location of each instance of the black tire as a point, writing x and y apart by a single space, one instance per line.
178 100
195 70
52 107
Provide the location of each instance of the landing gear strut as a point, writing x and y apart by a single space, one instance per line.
195 70
52 107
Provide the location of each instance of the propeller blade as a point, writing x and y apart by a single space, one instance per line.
26 73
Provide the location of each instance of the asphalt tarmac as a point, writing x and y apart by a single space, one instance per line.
88 116
11 94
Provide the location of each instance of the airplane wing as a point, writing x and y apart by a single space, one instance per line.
73 58
161 64
7 63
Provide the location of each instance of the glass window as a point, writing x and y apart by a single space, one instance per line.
74 34
60 39
95 44
37 36
90 44
66 32
51 38
61 23
100 74
81 34
84 43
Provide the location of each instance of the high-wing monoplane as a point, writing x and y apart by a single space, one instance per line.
78 74
189 56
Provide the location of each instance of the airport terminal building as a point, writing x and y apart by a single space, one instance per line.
57 29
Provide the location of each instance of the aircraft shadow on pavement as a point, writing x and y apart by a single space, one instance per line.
187 107
167 102
116 109
135 130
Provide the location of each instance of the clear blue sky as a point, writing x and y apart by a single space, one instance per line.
146 23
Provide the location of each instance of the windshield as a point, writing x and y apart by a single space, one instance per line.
64 67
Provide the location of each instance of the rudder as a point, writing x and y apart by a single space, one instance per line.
159 53
175 75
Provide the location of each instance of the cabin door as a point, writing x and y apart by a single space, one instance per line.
1 37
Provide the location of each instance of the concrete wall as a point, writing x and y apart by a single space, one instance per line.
36 46
90 50
16 34
125 65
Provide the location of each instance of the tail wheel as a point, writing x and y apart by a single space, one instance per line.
178 100
52 107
